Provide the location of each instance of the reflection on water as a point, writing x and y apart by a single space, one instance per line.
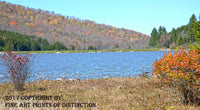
91 65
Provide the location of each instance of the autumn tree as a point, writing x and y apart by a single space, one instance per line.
55 27
165 40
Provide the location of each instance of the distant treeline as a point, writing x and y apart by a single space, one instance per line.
183 35
18 42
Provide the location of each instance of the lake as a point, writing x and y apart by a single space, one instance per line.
91 65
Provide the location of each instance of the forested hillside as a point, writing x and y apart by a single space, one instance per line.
182 36
74 33
18 42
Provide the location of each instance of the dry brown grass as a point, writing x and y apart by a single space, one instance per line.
108 94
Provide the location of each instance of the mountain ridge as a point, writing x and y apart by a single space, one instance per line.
72 32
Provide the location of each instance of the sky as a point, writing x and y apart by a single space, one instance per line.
139 15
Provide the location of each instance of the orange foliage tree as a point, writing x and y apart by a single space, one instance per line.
13 22
181 70
89 32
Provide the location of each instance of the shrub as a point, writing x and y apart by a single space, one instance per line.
18 67
181 70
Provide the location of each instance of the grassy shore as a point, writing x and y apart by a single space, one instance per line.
86 51
108 94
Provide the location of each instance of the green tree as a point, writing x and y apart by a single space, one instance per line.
44 45
192 19
116 45
173 37
154 37
19 45
59 46
185 40
160 30
73 48
40 40
1 43
15 41
196 29
26 45
164 31
35 46
190 33
180 40
199 19
92 48
9 46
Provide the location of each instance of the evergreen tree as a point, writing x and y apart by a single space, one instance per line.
173 36
73 48
40 41
116 45
186 39
59 46
35 46
19 45
196 29
199 18
192 19
154 37
164 31
180 40
90 48
160 30
1 43
18 42
9 46
190 33
161 33
44 45
26 45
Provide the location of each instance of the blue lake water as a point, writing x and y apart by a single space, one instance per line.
91 65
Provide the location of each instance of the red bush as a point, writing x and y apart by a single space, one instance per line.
18 67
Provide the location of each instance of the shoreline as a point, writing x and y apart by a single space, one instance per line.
90 51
